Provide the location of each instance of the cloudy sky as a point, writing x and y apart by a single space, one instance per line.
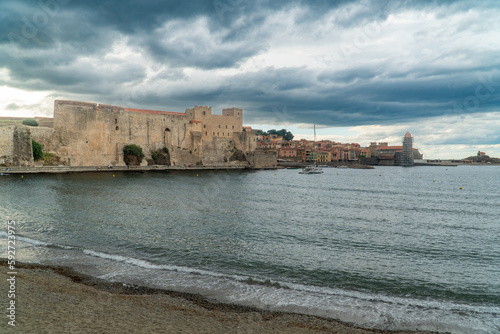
361 70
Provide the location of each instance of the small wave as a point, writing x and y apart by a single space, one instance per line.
35 242
267 282
148 265
24 239
124 259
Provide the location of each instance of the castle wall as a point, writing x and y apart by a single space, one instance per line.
44 136
15 146
6 145
245 141
263 158
217 151
90 134
87 134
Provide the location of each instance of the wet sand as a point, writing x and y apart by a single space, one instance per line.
60 300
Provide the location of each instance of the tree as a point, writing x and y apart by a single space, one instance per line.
30 122
287 135
37 150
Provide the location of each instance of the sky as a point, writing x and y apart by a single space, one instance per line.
362 71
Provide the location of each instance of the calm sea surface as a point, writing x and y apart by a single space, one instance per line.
392 247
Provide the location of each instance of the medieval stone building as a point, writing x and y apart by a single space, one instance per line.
90 134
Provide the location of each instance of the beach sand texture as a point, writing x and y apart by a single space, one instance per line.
59 300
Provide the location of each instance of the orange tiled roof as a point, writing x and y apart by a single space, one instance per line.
407 135
193 121
391 148
154 112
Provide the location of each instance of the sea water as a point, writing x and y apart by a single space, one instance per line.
391 248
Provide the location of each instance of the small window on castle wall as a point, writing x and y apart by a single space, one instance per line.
219 126
233 126
117 127
204 126
226 126
203 113
116 120
206 133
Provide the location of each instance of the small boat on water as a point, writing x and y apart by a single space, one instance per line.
314 169
311 170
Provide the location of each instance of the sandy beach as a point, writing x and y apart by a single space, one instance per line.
59 300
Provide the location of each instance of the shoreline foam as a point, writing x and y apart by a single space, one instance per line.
60 300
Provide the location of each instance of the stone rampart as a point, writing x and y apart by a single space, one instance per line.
263 158
91 134
43 135
15 146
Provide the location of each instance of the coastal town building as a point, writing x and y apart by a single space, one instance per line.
334 152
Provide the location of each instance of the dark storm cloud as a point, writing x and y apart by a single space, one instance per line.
62 46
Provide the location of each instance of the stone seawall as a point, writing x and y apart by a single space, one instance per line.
5 171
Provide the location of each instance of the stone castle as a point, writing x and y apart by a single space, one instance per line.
90 134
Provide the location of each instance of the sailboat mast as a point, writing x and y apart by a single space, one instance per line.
315 152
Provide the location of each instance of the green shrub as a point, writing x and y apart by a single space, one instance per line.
133 149
30 122
37 150
160 157
132 154
154 155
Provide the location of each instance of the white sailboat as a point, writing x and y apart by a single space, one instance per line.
314 169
